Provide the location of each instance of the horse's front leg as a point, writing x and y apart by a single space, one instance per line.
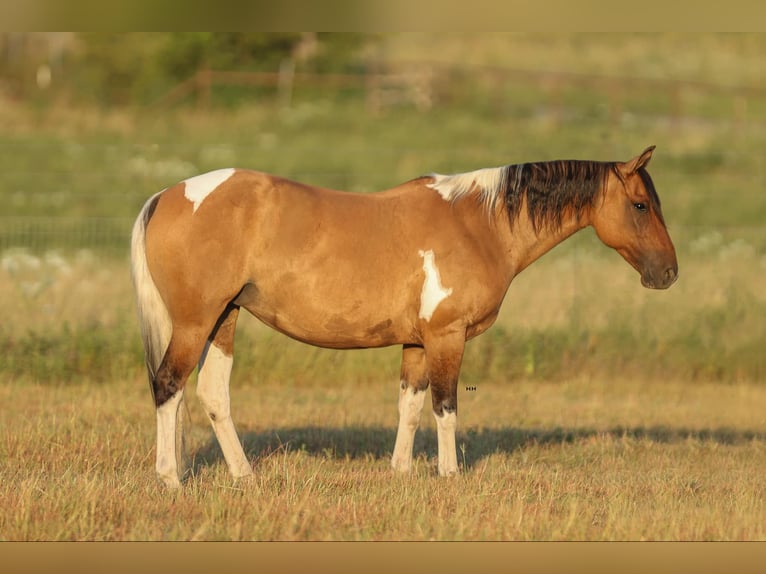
444 356
412 393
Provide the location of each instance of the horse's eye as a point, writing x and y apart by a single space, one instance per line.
640 206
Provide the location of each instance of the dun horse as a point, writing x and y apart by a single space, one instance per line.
425 265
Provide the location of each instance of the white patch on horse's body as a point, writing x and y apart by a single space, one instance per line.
445 435
488 182
213 393
433 291
197 188
169 449
410 407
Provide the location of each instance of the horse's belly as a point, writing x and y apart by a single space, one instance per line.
328 321
336 332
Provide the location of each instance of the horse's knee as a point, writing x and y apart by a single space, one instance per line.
444 400
411 401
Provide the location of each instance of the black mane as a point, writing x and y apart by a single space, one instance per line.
553 188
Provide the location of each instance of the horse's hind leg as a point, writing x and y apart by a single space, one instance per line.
411 397
183 351
171 463
213 390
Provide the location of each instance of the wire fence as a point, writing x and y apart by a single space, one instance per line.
430 84
104 236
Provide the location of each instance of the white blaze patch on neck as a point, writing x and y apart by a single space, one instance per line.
433 291
487 181
197 188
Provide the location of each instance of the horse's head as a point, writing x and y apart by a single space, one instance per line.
628 218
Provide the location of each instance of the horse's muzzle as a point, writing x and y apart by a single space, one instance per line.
661 280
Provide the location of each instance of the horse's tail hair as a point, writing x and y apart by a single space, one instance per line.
153 317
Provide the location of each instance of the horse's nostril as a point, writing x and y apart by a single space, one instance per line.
671 273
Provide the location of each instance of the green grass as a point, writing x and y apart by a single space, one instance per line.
82 162
576 312
720 58
96 181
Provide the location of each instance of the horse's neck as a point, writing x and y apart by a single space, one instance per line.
526 245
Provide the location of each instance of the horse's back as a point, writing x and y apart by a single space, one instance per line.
313 262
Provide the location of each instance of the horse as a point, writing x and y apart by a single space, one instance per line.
425 265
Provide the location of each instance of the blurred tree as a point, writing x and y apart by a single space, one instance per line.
31 61
186 52
115 68
122 68
342 52
183 53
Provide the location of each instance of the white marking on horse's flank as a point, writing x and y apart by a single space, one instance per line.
450 187
197 188
433 291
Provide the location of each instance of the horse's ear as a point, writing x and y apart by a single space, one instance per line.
637 162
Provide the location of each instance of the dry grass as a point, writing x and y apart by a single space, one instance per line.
600 460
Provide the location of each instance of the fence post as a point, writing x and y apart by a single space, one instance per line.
372 86
740 113
285 82
677 105
203 83
556 97
615 103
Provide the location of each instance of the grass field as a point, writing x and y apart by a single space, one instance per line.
601 410
585 460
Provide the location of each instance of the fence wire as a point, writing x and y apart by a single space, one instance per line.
105 236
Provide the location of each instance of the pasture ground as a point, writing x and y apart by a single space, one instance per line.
582 460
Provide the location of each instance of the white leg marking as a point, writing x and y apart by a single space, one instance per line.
170 441
213 393
433 291
445 432
197 188
410 407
